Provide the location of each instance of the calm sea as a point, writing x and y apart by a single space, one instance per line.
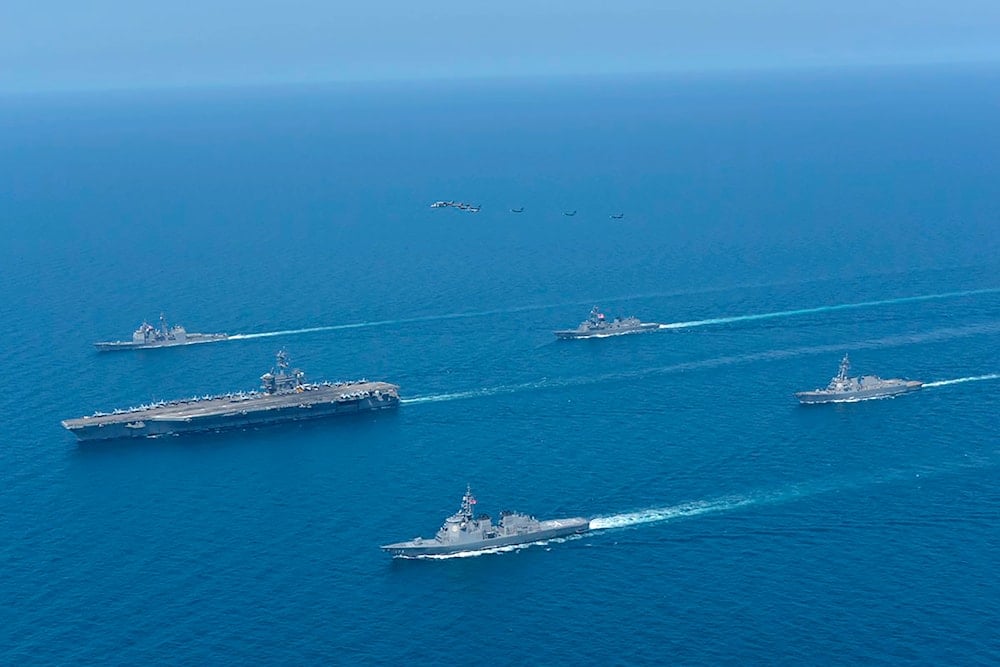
855 212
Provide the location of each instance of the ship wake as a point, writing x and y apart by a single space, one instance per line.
899 340
971 378
684 510
674 325
787 494
390 323
826 309
544 383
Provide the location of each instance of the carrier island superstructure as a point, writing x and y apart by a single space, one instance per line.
284 396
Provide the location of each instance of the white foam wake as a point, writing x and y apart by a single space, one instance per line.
487 391
675 325
305 330
972 378
825 309
658 514
395 322
716 362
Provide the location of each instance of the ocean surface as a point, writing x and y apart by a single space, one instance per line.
775 221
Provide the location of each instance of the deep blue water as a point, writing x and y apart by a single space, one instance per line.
740 527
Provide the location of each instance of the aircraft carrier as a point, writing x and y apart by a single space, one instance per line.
844 389
598 326
284 396
465 532
147 336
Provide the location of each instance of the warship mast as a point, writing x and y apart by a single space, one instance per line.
845 368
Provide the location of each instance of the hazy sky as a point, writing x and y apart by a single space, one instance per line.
87 44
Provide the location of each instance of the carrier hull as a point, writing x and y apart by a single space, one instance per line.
238 411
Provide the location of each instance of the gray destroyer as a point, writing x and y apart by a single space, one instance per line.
843 389
464 532
598 326
284 396
148 336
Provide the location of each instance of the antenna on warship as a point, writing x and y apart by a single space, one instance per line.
468 500
279 379
845 368
274 380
